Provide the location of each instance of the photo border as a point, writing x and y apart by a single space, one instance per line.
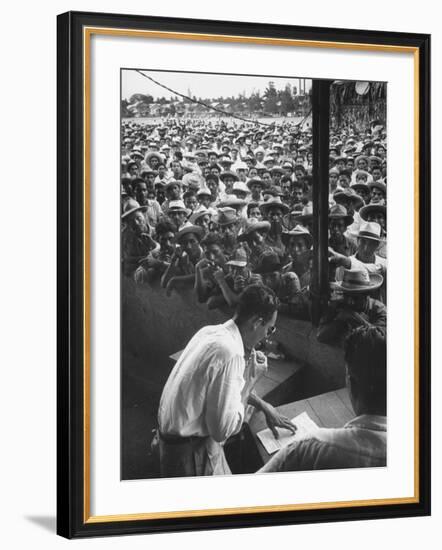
75 30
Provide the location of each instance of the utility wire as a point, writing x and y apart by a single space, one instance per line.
210 106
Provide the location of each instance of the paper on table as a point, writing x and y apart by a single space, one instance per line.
304 424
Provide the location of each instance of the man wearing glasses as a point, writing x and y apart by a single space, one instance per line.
205 397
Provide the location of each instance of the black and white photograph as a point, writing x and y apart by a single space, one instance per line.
253 301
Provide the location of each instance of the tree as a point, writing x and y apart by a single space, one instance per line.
287 103
271 99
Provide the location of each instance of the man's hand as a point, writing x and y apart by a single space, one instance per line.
276 420
218 275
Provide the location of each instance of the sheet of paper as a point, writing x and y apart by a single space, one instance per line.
304 424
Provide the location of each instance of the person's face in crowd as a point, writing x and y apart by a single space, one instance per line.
269 164
361 178
350 164
299 174
340 165
241 173
176 169
191 202
166 241
365 194
214 253
213 186
333 180
377 196
229 233
132 170
206 171
128 188
215 170
362 164
212 158
271 279
348 204
275 215
297 194
151 194
228 182
204 222
259 156
376 173
253 172
161 171
379 218
154 162
267 178
177 217
288 171
160 195
150 179
296 247
141 193
356 302
380 152
277 178
366 249
344 181
190 245
204 200
286 187
173 192
337 228
234 155
300 159
138 223
255 212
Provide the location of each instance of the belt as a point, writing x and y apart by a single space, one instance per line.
178 439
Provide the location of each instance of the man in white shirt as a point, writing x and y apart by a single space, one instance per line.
204 400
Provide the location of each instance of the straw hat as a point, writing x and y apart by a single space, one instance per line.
372 208
195 229
274 202
298 231
253 225
358 281
131 207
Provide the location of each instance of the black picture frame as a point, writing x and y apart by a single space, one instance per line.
71 519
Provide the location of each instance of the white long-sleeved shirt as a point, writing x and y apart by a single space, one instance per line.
202 396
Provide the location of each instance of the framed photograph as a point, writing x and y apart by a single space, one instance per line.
223 191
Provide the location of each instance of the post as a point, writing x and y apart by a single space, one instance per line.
320 122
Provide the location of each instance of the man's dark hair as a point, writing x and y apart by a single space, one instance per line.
189 194
212 238
163 227
366 358
257 300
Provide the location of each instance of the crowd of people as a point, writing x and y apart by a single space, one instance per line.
214 207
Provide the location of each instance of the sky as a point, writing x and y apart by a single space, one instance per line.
200 85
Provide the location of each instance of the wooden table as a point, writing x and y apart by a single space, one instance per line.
328 410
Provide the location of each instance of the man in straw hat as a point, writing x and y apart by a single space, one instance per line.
273 211
228 223
205 397
181 272
355 309
365 257
136 241
362 442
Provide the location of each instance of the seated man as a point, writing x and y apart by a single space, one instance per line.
362 442
355 309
